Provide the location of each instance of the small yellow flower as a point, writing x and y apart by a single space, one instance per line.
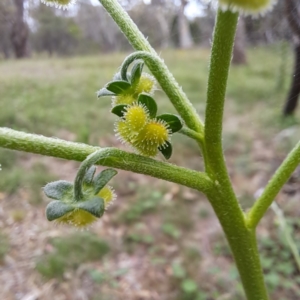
153 136
248 6
108 195
126 99
123 132
64 4
77 218
146 84
136 117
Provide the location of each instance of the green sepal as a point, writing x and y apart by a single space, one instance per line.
136 72
118 87
59 190
89 175
149 102
104 92
94 206
118 77
102 179
56 209
119 110
174 122
166 150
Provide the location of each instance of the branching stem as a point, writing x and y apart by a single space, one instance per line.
281 176
110 157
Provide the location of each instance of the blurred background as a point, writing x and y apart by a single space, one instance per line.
159 241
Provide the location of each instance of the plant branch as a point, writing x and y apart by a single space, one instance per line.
241 239
158 68
192 134
111 157
275 184
223 40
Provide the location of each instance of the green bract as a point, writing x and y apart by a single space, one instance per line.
68 208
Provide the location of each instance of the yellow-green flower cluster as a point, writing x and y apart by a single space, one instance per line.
64 4
66 209
138 125
248 7
145 84
139 130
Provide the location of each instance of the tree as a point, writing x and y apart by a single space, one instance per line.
292 11
54 33
239 51
19 33
185 38
6 16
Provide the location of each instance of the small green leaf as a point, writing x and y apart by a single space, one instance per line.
166 150
118 87
89 175
94 206
119 110
58 189
149 102
103 178
136 72
189 286
56 209
174 122
104 92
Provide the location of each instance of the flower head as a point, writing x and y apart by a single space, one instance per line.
153 136
146 84
136 117
248 7
64 4
97 196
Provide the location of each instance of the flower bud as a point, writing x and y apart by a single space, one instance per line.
248 7
136 117
154 135
64 4
146 84
108 195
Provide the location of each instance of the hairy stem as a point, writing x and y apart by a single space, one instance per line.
192 134
221 54
158 69
84 167
111 157
275 184
242 242
241 239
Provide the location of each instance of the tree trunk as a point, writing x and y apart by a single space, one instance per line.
293 16
239 52
185 38
19 33
292 99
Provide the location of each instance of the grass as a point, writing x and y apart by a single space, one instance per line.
70 252
56 97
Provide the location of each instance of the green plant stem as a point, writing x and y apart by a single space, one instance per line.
241 239
158 68
221 53
192 134
111 157
84 167
275 184
242 242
